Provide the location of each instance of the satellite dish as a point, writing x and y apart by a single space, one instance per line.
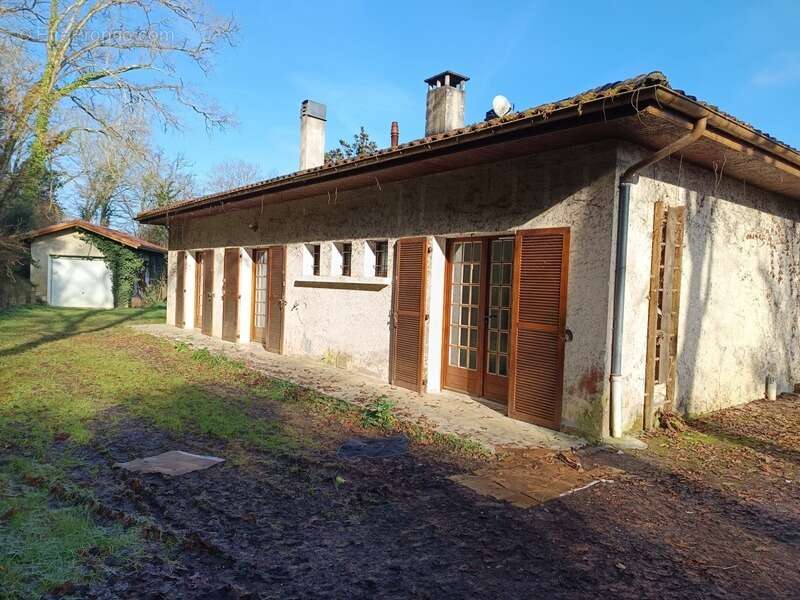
501 106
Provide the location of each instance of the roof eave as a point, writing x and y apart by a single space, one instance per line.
444 143
494 132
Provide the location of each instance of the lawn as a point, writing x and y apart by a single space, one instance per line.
68 374
712 511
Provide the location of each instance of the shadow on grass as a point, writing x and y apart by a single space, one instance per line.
401 515
67 325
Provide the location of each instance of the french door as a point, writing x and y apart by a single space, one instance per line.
478 316
269 267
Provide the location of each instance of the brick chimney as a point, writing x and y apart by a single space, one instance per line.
312 134
444 109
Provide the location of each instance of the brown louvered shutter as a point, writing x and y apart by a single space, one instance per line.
180 292
230 298
208 291
537 330
408 315
276 259
676 226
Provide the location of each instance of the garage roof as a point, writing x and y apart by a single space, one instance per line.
121 237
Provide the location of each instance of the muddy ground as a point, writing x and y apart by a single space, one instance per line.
707 513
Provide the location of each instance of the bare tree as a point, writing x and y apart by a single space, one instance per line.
159 181
101 53
107 170
231 174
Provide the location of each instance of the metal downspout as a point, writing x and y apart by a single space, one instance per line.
629 178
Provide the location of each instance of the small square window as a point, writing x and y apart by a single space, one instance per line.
381 249
343 259
311 259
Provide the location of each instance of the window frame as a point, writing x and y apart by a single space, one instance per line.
380 249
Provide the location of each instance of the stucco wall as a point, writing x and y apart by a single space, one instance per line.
566 188
67 243
740 299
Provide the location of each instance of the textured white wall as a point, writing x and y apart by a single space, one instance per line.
740 299
188 300
348 327
433 334
172 285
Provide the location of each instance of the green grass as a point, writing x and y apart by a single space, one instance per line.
46 544
64 371
61 372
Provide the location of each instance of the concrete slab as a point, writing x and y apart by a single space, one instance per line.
532 481
446 413
173 463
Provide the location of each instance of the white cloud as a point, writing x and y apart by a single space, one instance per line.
784 74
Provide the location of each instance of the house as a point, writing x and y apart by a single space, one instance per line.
582 264
68 270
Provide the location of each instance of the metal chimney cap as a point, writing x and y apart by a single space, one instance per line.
452 78
313 109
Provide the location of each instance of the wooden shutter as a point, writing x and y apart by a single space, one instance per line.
664 307
208 291
180 291
541 262
676 224
275 298
656 286
408 315
230 295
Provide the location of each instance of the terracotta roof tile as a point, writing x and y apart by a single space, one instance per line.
123 238
608 90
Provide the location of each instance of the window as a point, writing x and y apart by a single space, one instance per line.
381 249
502 259
315 249
465 280
346 250
341 259
311 259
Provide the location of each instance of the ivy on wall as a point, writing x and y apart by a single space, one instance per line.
125 266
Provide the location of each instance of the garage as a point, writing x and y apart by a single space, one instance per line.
69 268
80 282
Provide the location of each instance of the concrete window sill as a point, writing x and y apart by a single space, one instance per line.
372 284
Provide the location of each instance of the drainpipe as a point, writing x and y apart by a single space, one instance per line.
628 179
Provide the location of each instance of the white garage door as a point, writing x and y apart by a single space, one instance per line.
80 282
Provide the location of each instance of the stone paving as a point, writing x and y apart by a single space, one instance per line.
446 412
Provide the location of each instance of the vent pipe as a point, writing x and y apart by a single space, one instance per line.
395 134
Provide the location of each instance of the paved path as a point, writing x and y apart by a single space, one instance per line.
446 413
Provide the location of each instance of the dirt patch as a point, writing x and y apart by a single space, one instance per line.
311 525
526 479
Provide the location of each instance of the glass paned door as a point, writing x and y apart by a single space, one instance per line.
478 316
498 322
259 295
465 324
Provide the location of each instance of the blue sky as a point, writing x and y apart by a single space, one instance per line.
366 62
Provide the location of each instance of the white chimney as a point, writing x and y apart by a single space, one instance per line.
312 134
444 109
